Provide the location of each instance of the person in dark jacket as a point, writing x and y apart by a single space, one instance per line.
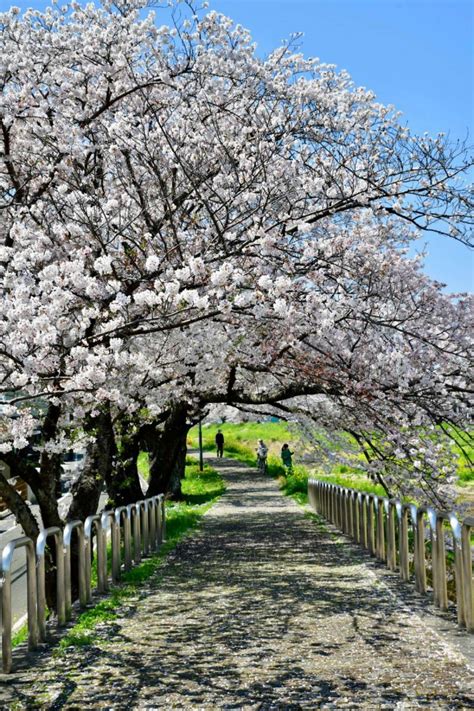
220 443
286 455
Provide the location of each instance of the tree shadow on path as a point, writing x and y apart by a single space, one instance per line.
261 608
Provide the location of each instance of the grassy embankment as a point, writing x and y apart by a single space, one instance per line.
200 491
241 442
465 471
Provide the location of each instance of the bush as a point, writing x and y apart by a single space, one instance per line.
295 484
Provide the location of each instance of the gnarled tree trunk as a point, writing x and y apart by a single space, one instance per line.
123 484
166 443
87 489
45 485
97 467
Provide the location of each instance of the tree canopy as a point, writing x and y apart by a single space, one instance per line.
185 222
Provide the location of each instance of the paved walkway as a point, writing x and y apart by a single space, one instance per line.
260 609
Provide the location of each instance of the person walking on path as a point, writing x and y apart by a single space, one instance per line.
220 443
262 452
286 455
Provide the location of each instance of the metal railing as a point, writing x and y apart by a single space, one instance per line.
148 518
395 533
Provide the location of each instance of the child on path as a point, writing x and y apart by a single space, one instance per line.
286 455
262 451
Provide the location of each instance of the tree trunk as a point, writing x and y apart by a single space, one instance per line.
47 489
87 489
166 445
45 485
123 483
97 467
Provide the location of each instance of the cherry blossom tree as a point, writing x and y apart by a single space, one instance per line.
185 222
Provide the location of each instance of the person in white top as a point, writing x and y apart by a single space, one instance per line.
262 451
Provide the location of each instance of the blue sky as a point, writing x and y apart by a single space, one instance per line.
415 54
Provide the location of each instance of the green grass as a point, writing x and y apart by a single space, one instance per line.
242 432
465 469
143 465
201 487
20 636
344 476
241 442
295 484
200 491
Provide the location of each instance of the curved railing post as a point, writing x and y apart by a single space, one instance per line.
418 551
329 504
311 493
142 507
153 539
6 591
355 517
379 527
391 538
468 587
158 519
337 507
338 504
163 518
318 497
107 520
69 528
437 547
90 523
332 503
134 514
386 506
403 541
420 557
162 511
441 516
370 524
350 514
56 533
362 512
458 567
347 512
122 515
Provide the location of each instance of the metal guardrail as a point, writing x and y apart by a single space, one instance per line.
6 590
56 533
383 526
149 526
